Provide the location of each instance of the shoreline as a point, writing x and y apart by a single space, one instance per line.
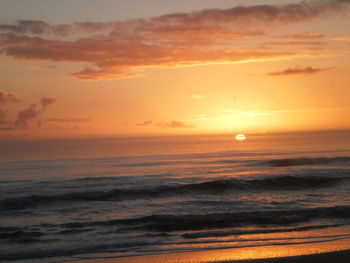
337 251
342 256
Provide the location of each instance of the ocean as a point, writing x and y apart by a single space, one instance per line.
80 199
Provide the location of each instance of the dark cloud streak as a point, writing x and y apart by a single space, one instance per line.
68 120
173 124
298 70
145 123
45 102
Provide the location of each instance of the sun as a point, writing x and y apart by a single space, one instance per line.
240 137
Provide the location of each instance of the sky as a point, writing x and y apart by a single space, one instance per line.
83 68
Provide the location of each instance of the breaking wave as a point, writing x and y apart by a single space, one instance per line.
211 187
171 222
306 161
294 183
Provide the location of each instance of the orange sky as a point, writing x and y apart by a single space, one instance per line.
190 67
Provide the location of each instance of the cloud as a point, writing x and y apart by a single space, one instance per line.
25 117
294 43
3 115
173 124
45 102
68 120
297 70
308 36
145 123
164 124
116 57
198 21
124 48
29 116
36 27
26 26
7 98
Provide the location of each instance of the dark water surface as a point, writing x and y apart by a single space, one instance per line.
154 195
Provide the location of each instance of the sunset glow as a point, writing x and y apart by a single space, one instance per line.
175 131
184 68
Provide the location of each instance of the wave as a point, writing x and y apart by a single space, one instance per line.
274 163
20 236
163 224
69 251
256 231
155 248
171 222
306 161
211 187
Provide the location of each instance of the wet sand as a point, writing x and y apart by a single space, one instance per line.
336 257
336 251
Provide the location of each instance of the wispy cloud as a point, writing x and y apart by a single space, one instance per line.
305 43
123 48
5 99
297 71
68 120
3 115
173 124
35 27
29 116
165 124
145 123
198 21
307 36
45 102
8 97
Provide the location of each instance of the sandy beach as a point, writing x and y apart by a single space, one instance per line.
338 256
336 251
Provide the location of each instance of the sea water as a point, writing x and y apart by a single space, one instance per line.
71 199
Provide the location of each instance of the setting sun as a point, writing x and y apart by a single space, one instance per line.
240 137
182 131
